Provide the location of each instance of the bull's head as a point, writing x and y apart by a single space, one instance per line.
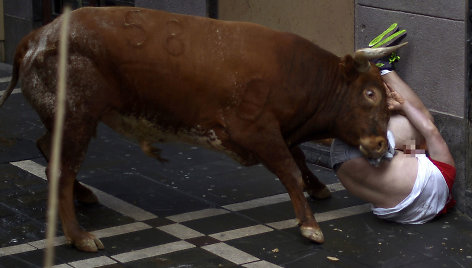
365 112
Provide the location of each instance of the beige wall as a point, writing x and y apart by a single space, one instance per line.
328 23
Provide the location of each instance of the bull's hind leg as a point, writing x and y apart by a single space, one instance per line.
87 92
77 134
81 193
313 186
76 138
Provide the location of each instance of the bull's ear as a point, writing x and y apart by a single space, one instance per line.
348 68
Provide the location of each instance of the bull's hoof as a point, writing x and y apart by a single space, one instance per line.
320 194
314 234
88 244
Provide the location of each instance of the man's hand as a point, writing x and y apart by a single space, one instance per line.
395 101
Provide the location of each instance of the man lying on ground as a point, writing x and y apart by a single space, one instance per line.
413 183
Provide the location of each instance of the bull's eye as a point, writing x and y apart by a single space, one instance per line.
371 95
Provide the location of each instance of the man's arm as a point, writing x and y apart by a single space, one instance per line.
437 147
392 80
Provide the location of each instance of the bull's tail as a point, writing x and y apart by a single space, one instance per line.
14 76
13 82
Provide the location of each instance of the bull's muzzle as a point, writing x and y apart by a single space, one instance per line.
373 147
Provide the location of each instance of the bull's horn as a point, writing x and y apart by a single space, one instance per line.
362 56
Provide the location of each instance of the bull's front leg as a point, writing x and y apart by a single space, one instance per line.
313 186
291 177
272 151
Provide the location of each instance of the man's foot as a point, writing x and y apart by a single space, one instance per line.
386 38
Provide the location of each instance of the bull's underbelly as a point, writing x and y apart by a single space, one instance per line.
143 131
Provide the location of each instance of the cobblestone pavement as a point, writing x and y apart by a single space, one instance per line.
200 209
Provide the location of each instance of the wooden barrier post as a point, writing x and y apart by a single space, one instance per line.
56 147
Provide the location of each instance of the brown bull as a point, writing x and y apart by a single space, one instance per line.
240 88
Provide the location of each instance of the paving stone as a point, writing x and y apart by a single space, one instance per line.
220 223
18 262
195 257
162 200
158 222
202 241
97 216
135 241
